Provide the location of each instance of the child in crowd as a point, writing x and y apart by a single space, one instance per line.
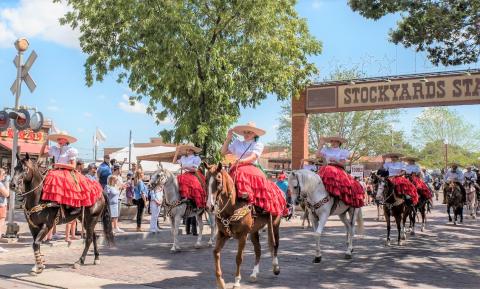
155 205
113 195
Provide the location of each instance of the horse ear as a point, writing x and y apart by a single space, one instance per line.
207 166
18 157
160 166
27 156
219 167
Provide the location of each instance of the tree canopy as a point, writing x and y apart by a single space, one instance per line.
446 29
197 61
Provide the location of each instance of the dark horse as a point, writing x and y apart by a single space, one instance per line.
393 205
234 219
42 216
454 200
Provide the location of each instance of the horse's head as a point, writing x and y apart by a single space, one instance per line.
159 179
304 182
23 173
219 183
381 187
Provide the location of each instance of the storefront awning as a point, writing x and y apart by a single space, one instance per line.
31 148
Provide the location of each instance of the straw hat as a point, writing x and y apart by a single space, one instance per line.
63 134
334 138
392 155
410 159
451 164
250 126
182 149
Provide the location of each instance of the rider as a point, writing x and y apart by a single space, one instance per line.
311 164
413 172
455 175
250 181
63 184
395 170
471 176
336 181
191 182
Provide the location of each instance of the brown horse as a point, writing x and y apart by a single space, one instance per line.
234 219
42 216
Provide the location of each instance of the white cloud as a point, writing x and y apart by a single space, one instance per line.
316 4
52 100
37 19
53 108
137 107
87 114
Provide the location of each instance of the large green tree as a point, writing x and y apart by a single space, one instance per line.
446 29
441 124
197 61
433 155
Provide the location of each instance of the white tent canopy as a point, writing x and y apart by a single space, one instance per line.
148 166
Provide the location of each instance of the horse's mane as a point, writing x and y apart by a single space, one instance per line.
229 185
309 181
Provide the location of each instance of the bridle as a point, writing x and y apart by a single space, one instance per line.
21 179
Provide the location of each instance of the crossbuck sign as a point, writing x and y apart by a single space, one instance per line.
25 75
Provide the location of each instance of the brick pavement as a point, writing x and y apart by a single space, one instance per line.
444 256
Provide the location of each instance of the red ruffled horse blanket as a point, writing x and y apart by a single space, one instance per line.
404 187
191 188
422 188
340 184
252 184
69 187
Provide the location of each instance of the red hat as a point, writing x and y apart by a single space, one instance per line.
281 177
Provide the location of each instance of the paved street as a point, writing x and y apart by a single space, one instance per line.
444 256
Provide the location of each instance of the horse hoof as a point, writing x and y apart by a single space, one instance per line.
76 265
210 243
412 233
387 243
198 246
220 284
348 256
96 262
276 270
33 273
317 260
253 278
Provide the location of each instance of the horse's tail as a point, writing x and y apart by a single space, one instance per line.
271 235
107 222
361 228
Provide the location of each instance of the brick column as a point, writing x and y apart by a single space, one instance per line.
299 131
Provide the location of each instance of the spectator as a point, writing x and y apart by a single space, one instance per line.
155 204
140 197
116 172
191 225
129 193
104 171
282 183
113 200
133 169
70 231
80 166
4 194
92 171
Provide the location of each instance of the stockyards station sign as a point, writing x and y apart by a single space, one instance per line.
454 88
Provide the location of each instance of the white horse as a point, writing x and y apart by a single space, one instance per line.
176 210
472 202
321 205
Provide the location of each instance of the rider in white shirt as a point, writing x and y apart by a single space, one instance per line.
455 174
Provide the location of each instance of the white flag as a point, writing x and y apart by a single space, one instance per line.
100 136
54 129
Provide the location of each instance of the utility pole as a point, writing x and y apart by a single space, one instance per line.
130 151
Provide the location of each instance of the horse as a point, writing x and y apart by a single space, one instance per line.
234 219
374 179
393 205
454 200
437 186
472 201
42 216
176 208
321 205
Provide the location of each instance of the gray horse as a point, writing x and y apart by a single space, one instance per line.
176 209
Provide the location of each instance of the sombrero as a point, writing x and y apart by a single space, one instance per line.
335 138
182 149
453 164
410 159
392 155
250 126
63 134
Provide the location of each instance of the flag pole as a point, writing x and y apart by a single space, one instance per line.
95 145
130 151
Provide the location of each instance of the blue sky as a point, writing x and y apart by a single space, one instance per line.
348 39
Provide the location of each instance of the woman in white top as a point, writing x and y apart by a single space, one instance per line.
250 181
414 175
191 182
64 184
336 181
396 175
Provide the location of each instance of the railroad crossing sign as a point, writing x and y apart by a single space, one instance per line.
25 76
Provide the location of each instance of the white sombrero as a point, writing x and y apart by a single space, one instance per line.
63 134
250 126
393 155
183 148
334 138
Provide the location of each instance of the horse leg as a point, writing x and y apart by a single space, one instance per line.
198 244
255 238
220 242
448 211
88 242
323 214
37 240
175 221
386 213
348 228
241 246
276 235
398 221
413 220
96 261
